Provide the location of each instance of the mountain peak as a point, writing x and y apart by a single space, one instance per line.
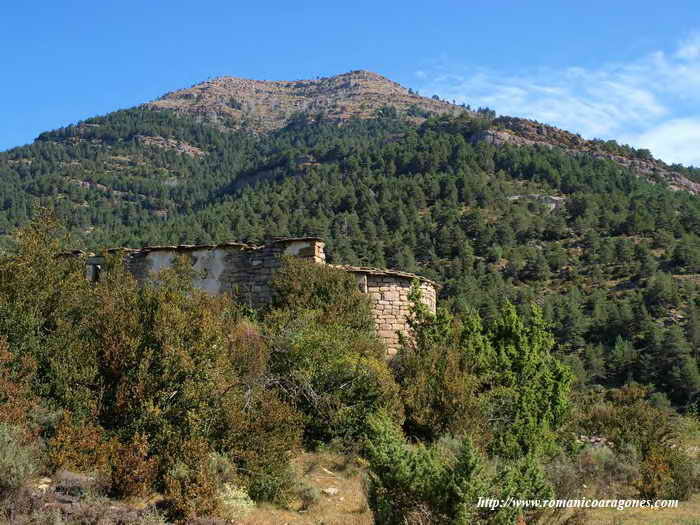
263 105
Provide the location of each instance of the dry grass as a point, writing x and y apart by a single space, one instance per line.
322 471
316 472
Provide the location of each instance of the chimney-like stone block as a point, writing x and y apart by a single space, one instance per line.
312 249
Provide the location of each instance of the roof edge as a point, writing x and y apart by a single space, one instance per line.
369 270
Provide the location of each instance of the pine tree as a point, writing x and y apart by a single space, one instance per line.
530 386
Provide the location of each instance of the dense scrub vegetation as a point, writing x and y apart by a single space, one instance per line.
164 389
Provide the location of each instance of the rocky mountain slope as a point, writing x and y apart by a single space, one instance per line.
262 106
523 132
196 147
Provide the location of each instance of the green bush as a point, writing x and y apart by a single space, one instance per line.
259 432
133 472
18 460
302 285
272 484
667 473
407 481
140 373
435 368
528 399
627 417
457 374
442 483
684 474
17 400
335 375
599 471
191 486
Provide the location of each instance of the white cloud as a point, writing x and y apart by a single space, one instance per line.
651 102
676 140
690 49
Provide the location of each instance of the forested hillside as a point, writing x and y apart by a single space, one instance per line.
611 256
570 273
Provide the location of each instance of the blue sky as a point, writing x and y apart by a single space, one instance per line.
630 71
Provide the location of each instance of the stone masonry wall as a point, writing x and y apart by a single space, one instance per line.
246 271
391 306
241 269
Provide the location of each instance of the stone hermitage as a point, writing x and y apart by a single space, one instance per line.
246 270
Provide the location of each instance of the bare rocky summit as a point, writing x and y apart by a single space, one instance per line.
262 106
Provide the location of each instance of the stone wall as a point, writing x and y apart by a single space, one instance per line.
388 291
241 269
391 307
246 271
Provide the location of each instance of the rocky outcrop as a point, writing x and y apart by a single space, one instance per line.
522 132
178 146
262 106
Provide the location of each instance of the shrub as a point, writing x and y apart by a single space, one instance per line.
406 481
655 477
133 472
625 417
309 496
456 374
668 473
78 446
594 470
17 401
435 368
190 485
143 374
223 468
528 399
333 374
684 473
18 460
303 285
179 366
41 296
271 484
442 483
259 432
235 502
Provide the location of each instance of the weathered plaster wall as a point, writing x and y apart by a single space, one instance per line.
241 269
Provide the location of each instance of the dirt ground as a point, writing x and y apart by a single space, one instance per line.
336 483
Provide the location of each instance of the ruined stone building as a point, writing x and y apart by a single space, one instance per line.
246 270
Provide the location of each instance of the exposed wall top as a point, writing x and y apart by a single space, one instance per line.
194 247
382 271
229 244
289 245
